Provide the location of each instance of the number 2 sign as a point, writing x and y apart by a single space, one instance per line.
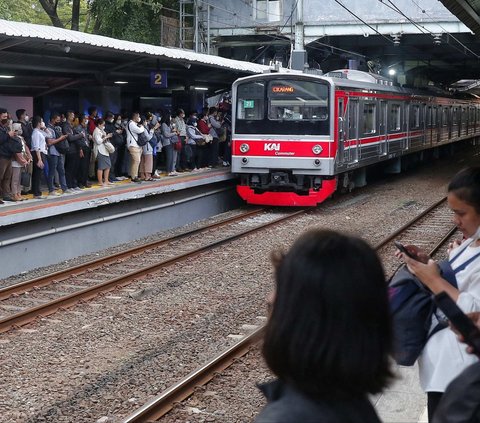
158 79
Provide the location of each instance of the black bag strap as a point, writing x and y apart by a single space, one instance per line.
131 133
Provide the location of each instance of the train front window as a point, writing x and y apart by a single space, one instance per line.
282 106
297 100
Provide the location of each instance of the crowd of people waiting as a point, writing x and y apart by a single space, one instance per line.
71 149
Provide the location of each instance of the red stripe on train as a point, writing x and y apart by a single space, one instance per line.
300 148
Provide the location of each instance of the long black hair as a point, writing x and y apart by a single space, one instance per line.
329 333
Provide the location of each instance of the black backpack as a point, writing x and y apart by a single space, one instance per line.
141 138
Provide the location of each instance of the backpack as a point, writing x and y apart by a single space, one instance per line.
141 138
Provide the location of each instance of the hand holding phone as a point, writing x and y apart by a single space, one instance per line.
404 250
461 322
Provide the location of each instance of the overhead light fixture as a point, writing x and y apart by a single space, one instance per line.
201 88
392 72
121 82
7 76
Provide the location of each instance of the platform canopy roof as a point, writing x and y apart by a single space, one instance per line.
44 58
467 11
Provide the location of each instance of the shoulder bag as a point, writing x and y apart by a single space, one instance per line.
141 138
25 177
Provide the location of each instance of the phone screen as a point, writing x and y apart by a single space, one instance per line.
460 320
402 248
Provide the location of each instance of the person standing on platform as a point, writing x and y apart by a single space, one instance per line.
169 137
134 128
72 157
215 127
56 160
329 335
181 127
39 155
27 129
100 137
194 138
111 129
21 160
84 152
6 155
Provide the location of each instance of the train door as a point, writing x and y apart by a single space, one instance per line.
341 132
382 128
352 138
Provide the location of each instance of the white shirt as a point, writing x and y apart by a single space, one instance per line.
132 133
98 137
38 141
444 357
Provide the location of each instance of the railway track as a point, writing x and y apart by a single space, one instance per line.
430 230
23 303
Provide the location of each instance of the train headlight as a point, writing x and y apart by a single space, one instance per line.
317 149
244 148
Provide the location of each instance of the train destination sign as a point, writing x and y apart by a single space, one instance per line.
283 89
248 104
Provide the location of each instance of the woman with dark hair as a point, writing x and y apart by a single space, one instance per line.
329 336
443 358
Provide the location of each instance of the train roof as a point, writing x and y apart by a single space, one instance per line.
356 79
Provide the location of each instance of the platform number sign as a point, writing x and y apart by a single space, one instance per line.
158 79
248 104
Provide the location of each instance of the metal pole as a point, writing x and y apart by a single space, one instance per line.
299 34
208 28
196 11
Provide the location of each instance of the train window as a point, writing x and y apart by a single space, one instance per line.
445 111
455 116
287 106
395 117
369 118
428 117
415 116
251 101
297 100
434 116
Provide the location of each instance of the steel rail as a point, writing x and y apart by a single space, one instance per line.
66 301
162 404
64 274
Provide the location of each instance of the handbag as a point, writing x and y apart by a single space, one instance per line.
110 148
177 146
62 147
25 178
141 137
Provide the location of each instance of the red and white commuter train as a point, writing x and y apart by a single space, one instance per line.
296 137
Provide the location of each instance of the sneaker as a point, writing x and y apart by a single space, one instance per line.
54 194
224 164
157 173
173 174
77 189
8 199
39 197
68 191
137 180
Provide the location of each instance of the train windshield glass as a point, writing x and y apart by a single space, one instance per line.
282 106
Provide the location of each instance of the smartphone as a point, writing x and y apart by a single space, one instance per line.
460 321
402 248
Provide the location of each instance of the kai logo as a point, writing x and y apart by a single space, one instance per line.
272 146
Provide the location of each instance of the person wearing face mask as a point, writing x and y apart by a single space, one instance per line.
6 133
100 137
84 152
194 138
72 157
181 127
443 358
56 161
39 154
111 129
21 160
134 128
27 129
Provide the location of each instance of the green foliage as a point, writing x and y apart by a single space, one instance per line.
32 11
133 20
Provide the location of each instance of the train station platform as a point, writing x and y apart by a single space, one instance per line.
39 232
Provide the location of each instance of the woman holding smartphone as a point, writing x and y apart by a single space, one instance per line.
443 358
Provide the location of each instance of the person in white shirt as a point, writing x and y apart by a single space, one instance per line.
133 129
100 137
443 357
39 154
